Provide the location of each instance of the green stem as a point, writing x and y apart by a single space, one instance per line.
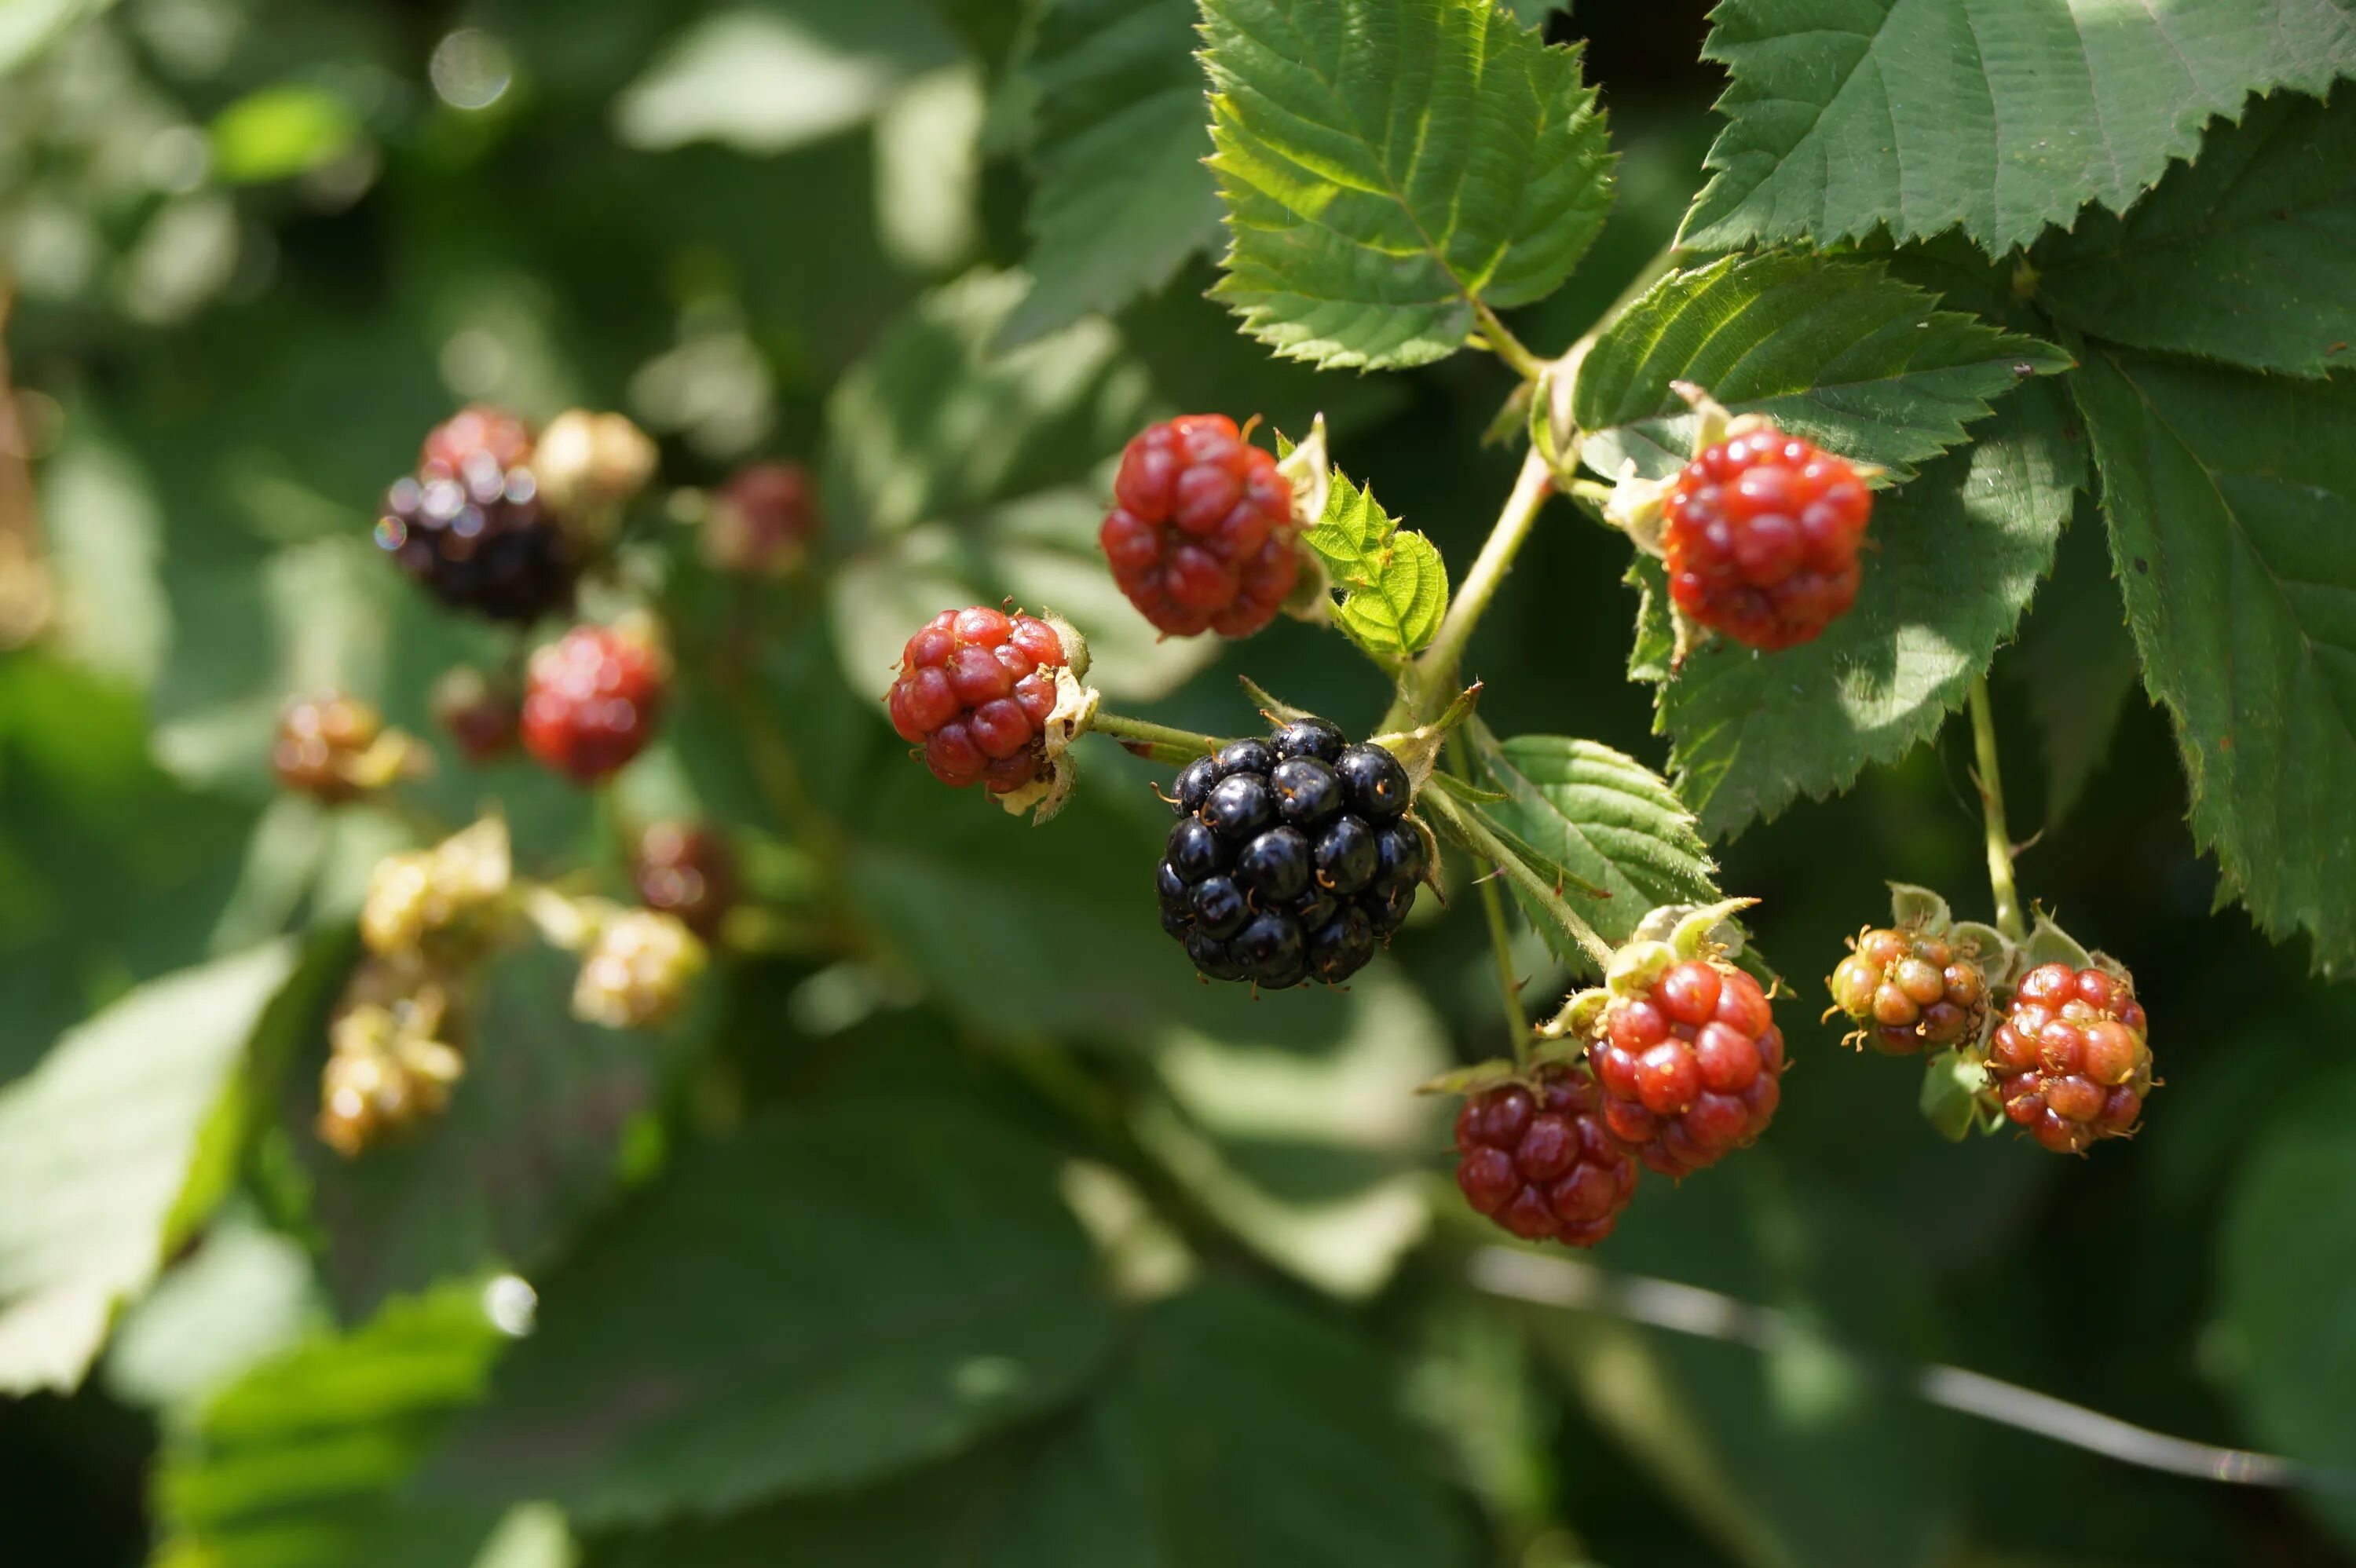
1508 348
1427 684
1162 743
1990 779
1489 847
1501 941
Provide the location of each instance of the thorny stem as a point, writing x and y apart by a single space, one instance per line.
1489 847
1999 839
1166 744
1508 348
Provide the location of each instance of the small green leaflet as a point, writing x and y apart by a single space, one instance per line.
2233 523
1846 116
1394 585
1120 197
1956 555
1837 351
2240 256
1387 163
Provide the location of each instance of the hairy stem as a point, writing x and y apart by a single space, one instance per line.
1508 348
2000 838
1164 743
1468 826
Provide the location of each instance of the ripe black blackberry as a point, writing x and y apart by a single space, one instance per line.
470 525
1291 859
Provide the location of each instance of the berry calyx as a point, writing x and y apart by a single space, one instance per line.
685 871
330 747
593 698
1688 1062
1539 1157
471 526
2072 1062
480 714
976 689
1201 535
1291 860
1761 537
1910 989
762 522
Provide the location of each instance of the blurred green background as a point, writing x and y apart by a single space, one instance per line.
252 249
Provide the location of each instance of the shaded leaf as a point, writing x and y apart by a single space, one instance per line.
1956 555
2232 526
842 1295
2239 256
97 1148
2076 664
301 1462
1384 164
1835 350
2002 116
1120 197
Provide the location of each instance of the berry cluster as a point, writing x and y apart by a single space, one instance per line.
471 526
1910 989
1539 1159
1292 858
1201 534
2071 1061
1762 538
592 699
975 690
1689 1065
388 1069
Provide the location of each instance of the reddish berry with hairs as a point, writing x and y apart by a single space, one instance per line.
1538 1158
2071 1061
1200 536
1761 536
1688 1067
975 690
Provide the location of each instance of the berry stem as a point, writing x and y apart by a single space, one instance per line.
1431 679
1501 941
1999 839
1166 744
1470 829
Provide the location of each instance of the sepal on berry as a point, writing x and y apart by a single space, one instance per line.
1957 1096
1472 1080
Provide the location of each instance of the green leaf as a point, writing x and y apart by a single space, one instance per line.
1957 554
2233 522
1837 351
96 1146
2076 664
1394 585
840 1295
1237 1429
2287 1268
28 27
1386 164
530 1146
300 1463
2239 256
1604 817
1846 116
281 132
1120 197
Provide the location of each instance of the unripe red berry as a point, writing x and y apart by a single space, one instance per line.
762 520
686 871
975 690
1761 536
593 698
478 712
2072 1062
1538 1158
1688 1067
1908 990
1201 535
